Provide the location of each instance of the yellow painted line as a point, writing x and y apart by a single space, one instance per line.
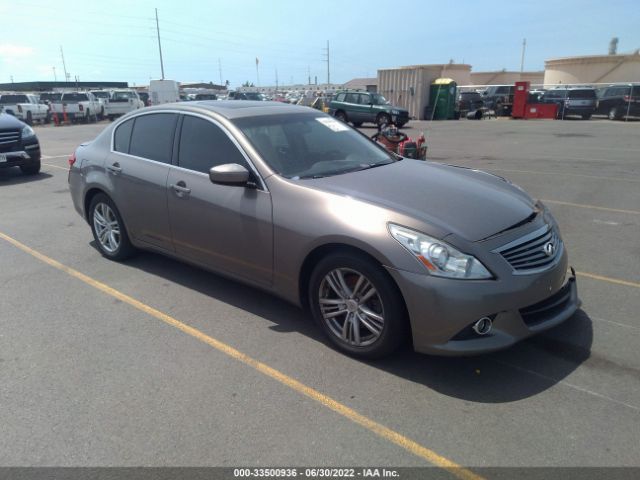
371 425
617 179
617 281
56 166
594 207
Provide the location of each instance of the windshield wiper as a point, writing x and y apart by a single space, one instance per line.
348 170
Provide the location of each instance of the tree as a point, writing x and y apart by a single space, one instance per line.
248 84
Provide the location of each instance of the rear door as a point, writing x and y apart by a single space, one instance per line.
226 228
138 168
366 111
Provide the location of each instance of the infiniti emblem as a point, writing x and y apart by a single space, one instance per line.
549 249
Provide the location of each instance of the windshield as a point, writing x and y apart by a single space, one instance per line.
470 96
378 99
586 93
254 96
10 99
123 95
101 94
50 96
311 145
74 97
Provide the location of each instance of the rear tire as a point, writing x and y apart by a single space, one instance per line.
378 316
340 115
614 114
32 169
29 120
109 230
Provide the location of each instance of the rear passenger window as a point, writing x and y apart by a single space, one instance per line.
152 136
204 145
122 137
351 98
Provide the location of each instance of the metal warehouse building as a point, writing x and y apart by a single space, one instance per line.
408 87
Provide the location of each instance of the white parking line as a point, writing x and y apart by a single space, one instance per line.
49 157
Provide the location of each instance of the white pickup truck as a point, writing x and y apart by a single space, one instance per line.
25 107
79 106
121 102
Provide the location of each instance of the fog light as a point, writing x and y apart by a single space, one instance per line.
483 326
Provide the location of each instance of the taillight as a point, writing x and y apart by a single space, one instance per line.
80 107
627 98
72 159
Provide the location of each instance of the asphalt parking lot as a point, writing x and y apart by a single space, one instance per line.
134 364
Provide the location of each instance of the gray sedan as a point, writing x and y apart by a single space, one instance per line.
290 200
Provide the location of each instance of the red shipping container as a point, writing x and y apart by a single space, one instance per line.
541 110
520 96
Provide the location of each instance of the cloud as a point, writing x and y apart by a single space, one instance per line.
9 51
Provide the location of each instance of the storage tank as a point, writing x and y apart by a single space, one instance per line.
593 69
408 87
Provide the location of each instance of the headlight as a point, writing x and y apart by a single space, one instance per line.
438 257
27 131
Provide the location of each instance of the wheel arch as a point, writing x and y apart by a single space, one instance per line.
322 251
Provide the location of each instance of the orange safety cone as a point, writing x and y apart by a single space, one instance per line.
56 121
65 119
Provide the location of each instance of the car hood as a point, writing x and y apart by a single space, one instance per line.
9 121
468 203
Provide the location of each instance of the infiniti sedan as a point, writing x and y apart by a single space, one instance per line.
290 200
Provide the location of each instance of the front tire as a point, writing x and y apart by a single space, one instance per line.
108 229
32 169
383 119
357 305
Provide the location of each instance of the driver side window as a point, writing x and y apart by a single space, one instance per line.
204 145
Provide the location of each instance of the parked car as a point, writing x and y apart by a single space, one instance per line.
292 201
102 96
468 101
618 101
580 101
121 102
25 107
78 106
144 96
359 107
499 98
19 146
206 96
256 96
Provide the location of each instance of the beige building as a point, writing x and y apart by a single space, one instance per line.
504 77
593 69
408 87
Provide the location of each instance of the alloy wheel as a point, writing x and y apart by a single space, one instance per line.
351 307
107 227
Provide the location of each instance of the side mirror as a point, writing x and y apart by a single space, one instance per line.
230 174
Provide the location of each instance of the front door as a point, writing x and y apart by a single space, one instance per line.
226 228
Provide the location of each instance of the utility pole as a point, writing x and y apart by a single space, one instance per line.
55 77
524 47
64 65
328 68
159 44
309 73
220 70
276 80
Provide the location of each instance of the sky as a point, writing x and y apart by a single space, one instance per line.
214 41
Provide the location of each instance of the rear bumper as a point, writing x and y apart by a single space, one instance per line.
442 311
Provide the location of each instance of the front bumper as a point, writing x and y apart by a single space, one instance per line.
442 311
28 154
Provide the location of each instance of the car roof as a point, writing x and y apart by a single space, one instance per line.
232 109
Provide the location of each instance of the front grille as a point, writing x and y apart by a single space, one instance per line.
534 251
548 308
9 140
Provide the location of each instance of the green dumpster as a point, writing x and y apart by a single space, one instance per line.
442 99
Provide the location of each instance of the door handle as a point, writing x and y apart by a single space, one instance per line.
181 188
115 168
